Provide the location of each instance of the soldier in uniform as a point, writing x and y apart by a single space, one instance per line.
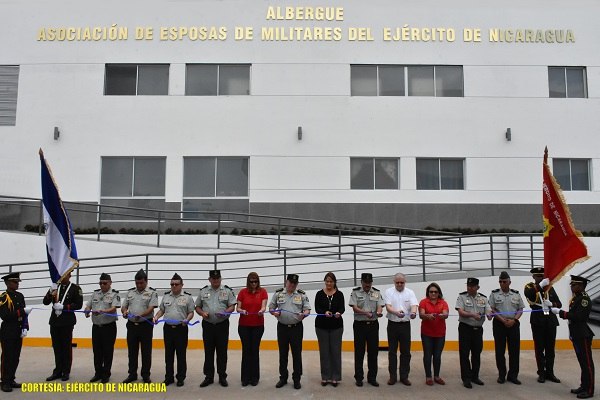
543 323
138 307
367 303
177 307
507 305
581 334
214 304
66 298
14 328
103 306
472 308
290 306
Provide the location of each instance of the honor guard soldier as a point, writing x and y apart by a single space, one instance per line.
472 307
543 323
177 307
65 299
138 307
367 303
507 305
103 306
214 305
14 328
581 334
290 306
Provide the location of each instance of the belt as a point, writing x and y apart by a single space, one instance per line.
175 326
365 322
290 325
400 322
105 325
475 328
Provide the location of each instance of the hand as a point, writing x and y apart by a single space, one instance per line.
27 310
400 314
154 320
379 315
184 322
337 315
23 333
548 303
544 282
370 314
275 313
413 315
87 313
125 314
555 310
261 313
328 314
301 316
476 316
204 314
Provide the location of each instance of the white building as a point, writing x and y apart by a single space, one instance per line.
394 112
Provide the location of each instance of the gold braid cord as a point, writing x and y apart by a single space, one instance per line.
7 300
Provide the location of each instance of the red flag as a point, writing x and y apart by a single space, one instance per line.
563 246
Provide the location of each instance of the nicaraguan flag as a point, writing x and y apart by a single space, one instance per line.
60 243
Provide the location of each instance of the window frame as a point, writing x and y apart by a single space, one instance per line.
588 162
9 94
440 172
133 178
374 169
565 76
218 79
137 78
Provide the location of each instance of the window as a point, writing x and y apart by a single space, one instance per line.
373 173
9 84
419 80
440 173
134 79
567 82
214 184
572 174
217 80
133 182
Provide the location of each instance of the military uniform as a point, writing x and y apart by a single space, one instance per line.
470 335
366 331
290 330
508 304
14 321
543 328
139 329
104 331
215 328
176 308
61 327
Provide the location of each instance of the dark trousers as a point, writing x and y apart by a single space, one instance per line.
289 337
176 341
139 335
470 342
10 339
250 337
583 350
330 353
399 334
62 338
216 338
366 333
432 350
504 337
544 340
103 344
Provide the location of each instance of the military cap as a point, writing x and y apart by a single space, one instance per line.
13 276
292 278
141 274
579 279
472 281
366 277
105 277
504 275
215 274
537 271
176 277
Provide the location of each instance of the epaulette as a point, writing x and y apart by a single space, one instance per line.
483 295
168 292
2 294
227 287
465 292
356 288
301 291
514 291
189 294
495 290
97 290
151 288
133 288
530 284
279 290
116 291
204 287
375 289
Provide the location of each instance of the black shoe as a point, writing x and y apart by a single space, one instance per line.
53 377
207 381
405 381
223 382
179 383
515 381
105 380
297 385
254 382
6 388
147 380
16 385
373 383
281 383
467 384
359 383
64 377
578 390
169 381
552 378
130 378
324 383
584 395
501 379
245 383
541 379
95 378
477 381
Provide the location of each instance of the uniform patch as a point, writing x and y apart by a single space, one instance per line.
584 303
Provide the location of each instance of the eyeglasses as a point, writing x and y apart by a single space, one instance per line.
175 284
253 281
400 283
433 291
104 283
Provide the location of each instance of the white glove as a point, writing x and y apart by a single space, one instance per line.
57 308
548 303
27 310
23 333
555 310
544 282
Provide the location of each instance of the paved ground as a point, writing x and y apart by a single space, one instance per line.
37 363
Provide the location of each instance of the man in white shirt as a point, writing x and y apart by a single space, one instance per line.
401 305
